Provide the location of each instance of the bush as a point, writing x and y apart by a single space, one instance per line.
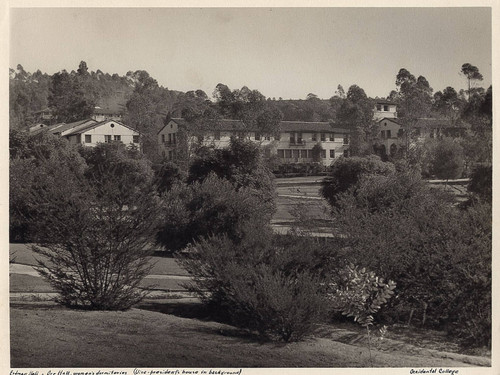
33 160
273 287
92 230
241 164
212 206
346 173
447 159
481 182
439 256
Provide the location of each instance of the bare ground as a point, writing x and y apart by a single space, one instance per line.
176 333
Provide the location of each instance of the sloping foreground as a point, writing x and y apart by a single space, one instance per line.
46 335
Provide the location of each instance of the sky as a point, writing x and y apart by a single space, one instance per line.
282 52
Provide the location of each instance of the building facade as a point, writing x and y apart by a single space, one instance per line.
294 142
90 132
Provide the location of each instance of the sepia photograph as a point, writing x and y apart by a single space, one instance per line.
225 190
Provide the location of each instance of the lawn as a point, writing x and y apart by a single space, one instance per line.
178 333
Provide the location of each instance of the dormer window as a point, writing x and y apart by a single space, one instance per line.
386 108
379 107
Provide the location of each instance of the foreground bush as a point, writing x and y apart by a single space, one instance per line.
92 229
272 287
438 254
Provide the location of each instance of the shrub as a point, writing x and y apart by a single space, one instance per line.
273 287
437 254
212 206
481 182
346 173
447 159
92 231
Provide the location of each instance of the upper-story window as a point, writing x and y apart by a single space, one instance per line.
346 139
88 138
107 138
163 138
257 136
379 107
314 137
386 108
292 137
332 137
299 138
323 137
135 138
388 134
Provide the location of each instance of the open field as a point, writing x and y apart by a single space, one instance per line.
178 333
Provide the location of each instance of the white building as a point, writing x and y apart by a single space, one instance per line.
293 143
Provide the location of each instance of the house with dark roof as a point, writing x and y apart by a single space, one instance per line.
90 132
293 143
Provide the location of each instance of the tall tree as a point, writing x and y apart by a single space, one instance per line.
356 113
448 103
68 100
472 74
414 100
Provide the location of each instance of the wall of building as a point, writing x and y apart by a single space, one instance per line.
117 132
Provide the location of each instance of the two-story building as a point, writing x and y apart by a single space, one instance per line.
293 143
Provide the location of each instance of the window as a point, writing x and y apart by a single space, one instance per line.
386 108
299 138
163 138
118 137
288 154
332 154
431 133
135 138
382 133
303 154
267 137
323 137
379 107
257 136
332 137
346 153
281 154
107 138
169 138
314 136
323 154
173 138
388 134
346 139
277 137
170 155
296 154
309 154
292 138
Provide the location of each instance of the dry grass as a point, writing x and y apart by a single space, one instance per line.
177 333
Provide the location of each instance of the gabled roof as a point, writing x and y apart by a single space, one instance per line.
393 119
95 124
285 126
62 127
